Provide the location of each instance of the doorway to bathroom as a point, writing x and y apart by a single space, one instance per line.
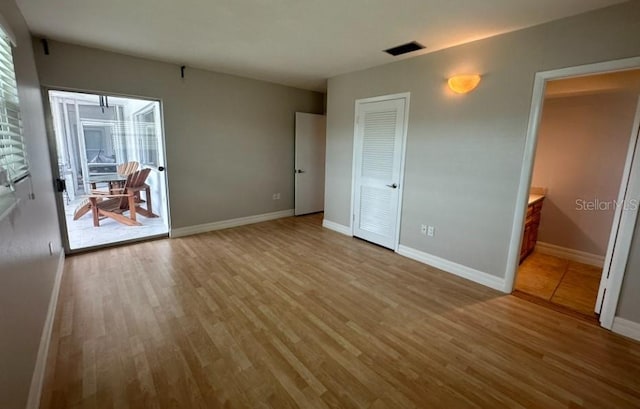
582 205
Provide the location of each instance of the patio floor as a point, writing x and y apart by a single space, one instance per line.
83 234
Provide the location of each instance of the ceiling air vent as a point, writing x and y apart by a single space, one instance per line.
405 48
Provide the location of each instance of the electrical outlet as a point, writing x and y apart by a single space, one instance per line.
423 229
276 196
431 231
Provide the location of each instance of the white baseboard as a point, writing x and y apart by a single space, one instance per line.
627 328
225 224
340 228
469 273
570 254
37 380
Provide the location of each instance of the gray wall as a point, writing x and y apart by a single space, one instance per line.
27 270
229 140
464 153
582 147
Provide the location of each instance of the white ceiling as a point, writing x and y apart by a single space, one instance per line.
294 42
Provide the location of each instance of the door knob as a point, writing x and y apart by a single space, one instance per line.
299 171
393 186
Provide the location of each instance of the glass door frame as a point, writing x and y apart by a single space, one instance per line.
55 168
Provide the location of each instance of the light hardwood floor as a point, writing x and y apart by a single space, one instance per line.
286 314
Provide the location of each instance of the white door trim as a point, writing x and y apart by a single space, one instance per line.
403 95
616 275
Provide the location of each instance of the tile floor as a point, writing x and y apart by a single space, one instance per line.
566 283
82 234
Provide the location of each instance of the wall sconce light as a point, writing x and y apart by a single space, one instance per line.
461 84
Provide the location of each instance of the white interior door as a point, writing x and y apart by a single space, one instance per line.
379 149
625 215
309 163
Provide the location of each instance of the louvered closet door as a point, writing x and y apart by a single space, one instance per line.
380 127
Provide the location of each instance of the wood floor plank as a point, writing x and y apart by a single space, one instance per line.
286 314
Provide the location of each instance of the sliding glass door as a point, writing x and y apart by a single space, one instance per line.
109 153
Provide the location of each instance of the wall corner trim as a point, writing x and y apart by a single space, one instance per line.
37 380
337 227
627 328
226 224
570 254
460 270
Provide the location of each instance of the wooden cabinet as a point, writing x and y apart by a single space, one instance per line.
531 224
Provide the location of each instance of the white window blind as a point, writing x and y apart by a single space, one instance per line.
13 158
